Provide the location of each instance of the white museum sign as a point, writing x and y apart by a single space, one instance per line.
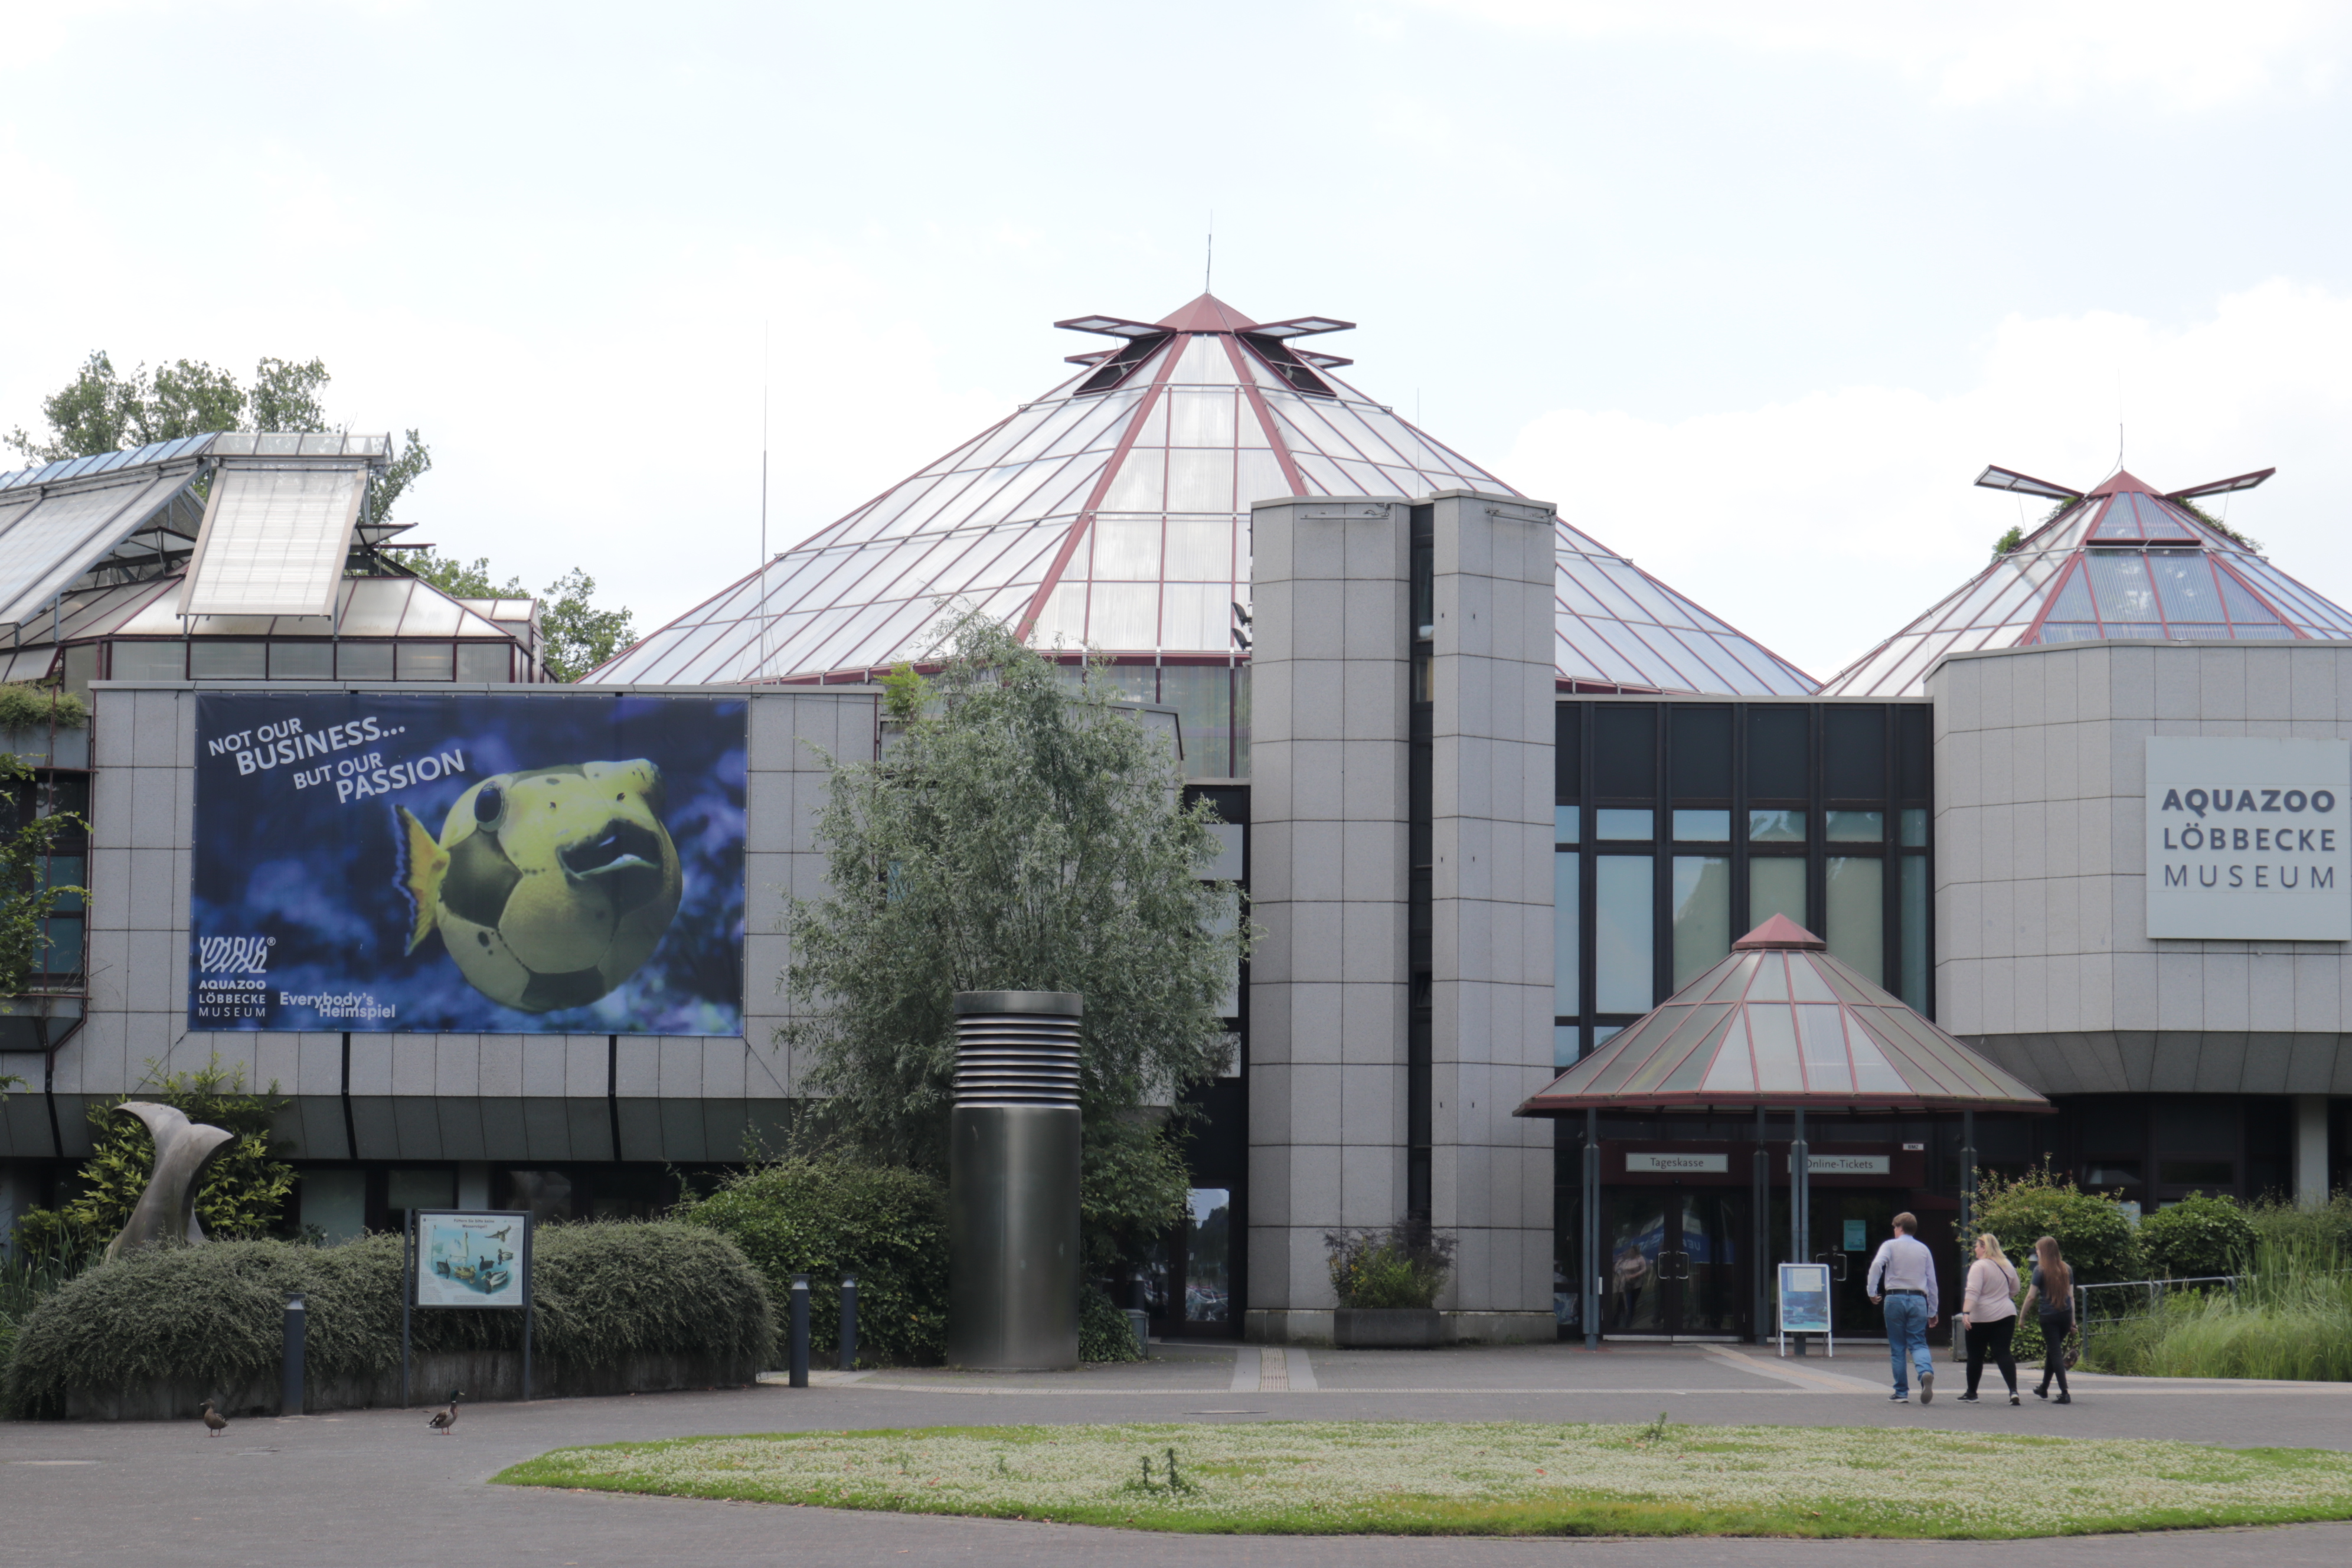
2248 838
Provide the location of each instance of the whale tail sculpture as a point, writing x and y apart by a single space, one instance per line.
166 1211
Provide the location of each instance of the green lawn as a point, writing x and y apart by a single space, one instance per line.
1491 1478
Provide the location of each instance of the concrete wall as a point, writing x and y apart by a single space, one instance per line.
1491 1175
1329 882
2044 956
516 1099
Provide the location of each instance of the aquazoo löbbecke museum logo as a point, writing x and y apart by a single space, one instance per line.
2248 838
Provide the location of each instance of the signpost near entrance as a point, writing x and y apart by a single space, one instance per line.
1805 1305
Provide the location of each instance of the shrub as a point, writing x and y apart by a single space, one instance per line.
25 705
214 1313
827 1217
2093 1231
1402 1266
243 1191
2196 1237
1105 1333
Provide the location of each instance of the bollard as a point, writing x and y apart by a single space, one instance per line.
849 1322
800 1331
1139 1322
298 1318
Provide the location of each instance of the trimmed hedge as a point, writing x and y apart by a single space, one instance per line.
603 1291
826 1219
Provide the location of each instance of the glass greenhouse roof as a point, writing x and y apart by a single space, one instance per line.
2120 561
1113 512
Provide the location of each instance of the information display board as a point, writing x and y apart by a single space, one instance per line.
1804 1301
472 1260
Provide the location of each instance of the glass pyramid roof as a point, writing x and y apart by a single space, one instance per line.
1782 1024
1113 512
2119 562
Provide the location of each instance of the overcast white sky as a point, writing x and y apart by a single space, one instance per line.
1753 291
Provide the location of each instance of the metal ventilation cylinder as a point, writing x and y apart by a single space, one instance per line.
1012 1182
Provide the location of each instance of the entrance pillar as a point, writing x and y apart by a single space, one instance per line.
1589 1292
1800 1204
2310 1149
1759 1234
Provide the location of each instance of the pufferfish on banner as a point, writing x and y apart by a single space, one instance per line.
548 887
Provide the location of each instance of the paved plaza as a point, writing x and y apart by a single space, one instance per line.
373 1488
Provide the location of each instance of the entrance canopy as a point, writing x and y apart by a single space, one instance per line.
1782 1024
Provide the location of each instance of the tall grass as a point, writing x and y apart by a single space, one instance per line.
2291 1316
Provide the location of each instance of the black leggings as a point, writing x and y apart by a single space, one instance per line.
1993 1337
2055 1330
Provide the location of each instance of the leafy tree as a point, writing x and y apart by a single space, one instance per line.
243 1188
2197 1238
101 410
27 899
574 635
285 395
464 579
1021 835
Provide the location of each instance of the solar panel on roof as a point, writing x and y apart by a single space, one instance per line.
274 542
44 546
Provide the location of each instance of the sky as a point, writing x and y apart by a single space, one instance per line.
1752 292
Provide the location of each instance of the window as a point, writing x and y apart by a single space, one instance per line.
1776 887
150 660
363 661
426 661
302 661
489 662
1857 914
214 659
1567 935
1701 913
1857 827
1622 941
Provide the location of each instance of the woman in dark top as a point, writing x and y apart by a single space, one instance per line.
2052 1297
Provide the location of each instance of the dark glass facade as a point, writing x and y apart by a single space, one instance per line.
1680 827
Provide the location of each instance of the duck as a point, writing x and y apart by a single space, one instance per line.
215 1421
446 1420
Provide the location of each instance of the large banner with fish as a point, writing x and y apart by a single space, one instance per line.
532 861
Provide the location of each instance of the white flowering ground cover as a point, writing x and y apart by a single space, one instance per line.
1490 1479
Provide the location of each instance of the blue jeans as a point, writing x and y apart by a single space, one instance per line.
1907 1331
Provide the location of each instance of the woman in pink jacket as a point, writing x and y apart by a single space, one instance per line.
1989 1311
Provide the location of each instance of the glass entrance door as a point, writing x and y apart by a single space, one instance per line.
1676 1263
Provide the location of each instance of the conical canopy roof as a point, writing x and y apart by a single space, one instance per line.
1781 1024
1114 512
2120 560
